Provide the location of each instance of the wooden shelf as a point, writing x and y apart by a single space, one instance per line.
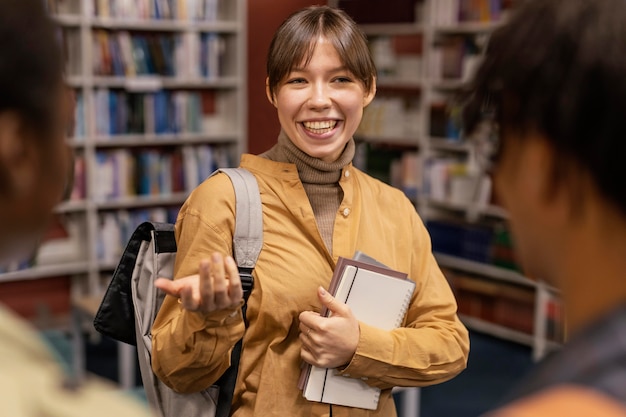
71 206
164 139
490 210
44 271
411 142
445 144
497 330
392 29
482 269
164 25
142 201
468 28
67 20
149 83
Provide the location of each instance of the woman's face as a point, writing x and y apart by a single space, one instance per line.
320 104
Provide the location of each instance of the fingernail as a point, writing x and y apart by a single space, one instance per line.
216 257
322 291
230 260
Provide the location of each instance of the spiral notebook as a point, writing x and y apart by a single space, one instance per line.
378 296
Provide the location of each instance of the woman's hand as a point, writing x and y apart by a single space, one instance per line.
217 286
329 342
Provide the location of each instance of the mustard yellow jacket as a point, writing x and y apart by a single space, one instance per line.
191 350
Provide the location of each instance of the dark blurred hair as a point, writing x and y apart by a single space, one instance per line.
30 63
295 39
559 68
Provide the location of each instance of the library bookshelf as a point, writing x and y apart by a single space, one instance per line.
412 137
160 91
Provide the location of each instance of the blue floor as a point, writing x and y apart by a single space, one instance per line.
494 367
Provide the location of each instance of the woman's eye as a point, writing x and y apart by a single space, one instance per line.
296 81
343 80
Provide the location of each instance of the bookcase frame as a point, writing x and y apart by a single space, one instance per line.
88 274
427 146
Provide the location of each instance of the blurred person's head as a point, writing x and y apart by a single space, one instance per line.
320 76
33 121
553 81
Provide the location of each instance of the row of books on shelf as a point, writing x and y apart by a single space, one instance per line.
115 229
506 304
391 117
62 243
198 10
484 243
203 10
456 181
118 112
449 12
446 118
393 165
443 179
455 58
397 57
151 172
184 55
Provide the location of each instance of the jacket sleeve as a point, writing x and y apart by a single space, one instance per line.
191 350
432 346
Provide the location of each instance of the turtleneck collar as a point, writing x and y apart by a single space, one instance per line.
311 170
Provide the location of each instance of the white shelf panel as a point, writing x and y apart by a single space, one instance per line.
44 271
166 139
392 29
413 142
72 206
447 84
490 210
76 142
444 144
142 201
485 270
75 81
468 28
163 25
497 330
107 266
399 83
154 83
67 20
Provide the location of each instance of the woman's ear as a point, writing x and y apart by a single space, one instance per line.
268 92
369 95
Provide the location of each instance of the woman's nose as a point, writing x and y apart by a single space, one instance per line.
320 97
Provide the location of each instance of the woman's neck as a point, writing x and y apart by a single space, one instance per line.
311 170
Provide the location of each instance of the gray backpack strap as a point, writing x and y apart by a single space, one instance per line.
247 244
248 237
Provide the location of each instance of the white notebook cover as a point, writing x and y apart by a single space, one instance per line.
378 299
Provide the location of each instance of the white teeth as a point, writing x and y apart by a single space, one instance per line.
320 127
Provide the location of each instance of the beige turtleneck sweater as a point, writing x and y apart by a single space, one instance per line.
320 181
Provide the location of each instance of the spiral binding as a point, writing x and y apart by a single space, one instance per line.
405 306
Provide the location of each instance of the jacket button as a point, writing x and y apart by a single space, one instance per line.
346 212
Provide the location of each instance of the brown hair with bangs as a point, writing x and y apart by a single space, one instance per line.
295 40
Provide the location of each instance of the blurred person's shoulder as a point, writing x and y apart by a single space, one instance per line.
563 401
33 381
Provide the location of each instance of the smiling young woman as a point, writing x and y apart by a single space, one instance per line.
317 207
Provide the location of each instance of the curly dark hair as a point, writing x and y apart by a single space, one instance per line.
31 65
558 67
